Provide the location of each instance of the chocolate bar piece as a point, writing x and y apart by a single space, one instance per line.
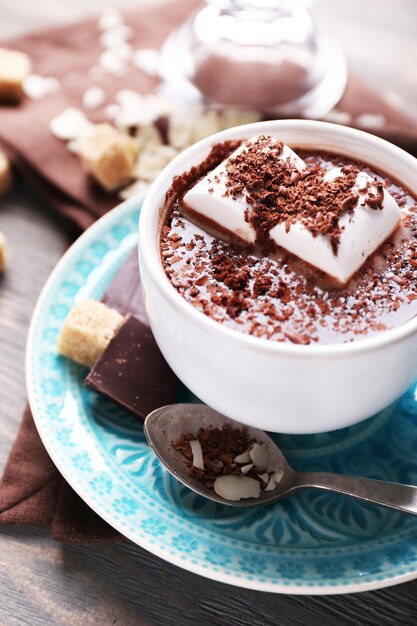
125 292
132 371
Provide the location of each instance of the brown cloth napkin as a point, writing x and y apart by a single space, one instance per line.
31 490
69 53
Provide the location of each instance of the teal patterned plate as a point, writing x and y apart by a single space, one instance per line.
311 543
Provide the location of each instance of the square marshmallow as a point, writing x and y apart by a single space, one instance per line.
363 229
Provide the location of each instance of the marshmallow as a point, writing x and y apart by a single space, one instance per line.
363 229
208 199
70 124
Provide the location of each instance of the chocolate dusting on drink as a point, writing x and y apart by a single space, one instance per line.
277 192
279 297
374 201
183 182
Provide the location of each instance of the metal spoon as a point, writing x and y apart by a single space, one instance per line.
168 423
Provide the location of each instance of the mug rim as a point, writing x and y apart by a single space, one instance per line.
148 242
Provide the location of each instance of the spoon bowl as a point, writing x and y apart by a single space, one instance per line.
164 426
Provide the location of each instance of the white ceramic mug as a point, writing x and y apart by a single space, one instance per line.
276 386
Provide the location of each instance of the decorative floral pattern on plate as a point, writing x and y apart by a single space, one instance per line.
310 543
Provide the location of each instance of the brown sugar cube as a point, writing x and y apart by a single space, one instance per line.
15 66
5 173
3 256
108 155
87 331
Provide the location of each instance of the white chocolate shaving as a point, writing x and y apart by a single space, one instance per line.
70 124
138 188
148 136
153 160
338 117
242 458
271 484
208 123
112 110
110 18
371 120
245 469
234 487
278 476
93 97
274 480
114 37
38 87
259 456
146 60
114 61
197 454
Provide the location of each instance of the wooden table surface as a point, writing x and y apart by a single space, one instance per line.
42 582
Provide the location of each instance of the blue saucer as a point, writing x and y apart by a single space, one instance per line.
311 543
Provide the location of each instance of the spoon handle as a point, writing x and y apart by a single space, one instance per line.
392 495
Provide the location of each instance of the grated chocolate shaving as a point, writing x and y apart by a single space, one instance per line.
374 201
183 182
279 193
286 300
220 446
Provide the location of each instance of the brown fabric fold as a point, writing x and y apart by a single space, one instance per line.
30 482
32 491
69 53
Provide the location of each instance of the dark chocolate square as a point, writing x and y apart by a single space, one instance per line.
132 371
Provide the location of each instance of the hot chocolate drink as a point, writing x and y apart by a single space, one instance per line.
298 246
